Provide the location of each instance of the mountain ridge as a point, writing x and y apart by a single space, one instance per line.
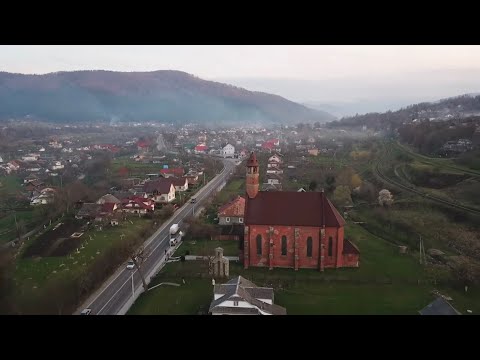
162 95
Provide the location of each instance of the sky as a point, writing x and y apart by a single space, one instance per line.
356 75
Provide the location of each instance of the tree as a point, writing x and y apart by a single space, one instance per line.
342 196
385 198
312 186
138 257
330 183
355 181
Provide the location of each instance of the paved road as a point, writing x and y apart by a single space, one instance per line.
117 292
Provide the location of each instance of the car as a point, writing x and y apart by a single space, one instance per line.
193 200
86 312
130 265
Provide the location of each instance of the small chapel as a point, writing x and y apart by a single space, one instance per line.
292 229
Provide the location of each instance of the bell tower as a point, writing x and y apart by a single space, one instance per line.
252 176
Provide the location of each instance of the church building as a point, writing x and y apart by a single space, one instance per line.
293 229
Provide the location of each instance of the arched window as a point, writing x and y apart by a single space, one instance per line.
309 246
284 245
259 244
330 246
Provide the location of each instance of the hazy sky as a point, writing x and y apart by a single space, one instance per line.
322 73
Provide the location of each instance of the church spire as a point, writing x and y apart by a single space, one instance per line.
252 176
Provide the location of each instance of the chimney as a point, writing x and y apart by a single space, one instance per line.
252 176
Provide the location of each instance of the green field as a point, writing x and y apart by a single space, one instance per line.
204 247
35 271
190 298
387 282
10 183
7 224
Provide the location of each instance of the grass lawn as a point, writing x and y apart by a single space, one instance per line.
7 224
10 183
386 283
234 187
34 272
187 299
204 247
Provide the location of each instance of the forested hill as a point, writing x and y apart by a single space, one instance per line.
451 108
164 96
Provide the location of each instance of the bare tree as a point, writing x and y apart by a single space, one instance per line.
385 197
138 257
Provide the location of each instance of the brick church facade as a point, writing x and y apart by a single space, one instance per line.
293 229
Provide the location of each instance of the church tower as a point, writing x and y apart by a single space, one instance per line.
252 176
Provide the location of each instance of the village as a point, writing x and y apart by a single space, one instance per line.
80 203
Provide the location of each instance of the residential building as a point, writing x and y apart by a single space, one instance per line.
233 212
228 151
240 296
161 190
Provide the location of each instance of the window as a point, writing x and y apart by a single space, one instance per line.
227 219
330 246
259 244
284 245
235 303
240 220
309 246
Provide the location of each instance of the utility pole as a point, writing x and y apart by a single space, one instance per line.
133 288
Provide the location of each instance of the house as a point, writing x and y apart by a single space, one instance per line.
240 296
232 212
313 152
274 160
30 157
138 205
143 145
274 170
201 149
106 210
108 198
13 165
178 172
181 184
32 185
228 151
439 307
29 178
293 229
46 196
271 187
161 190
88 211
1 159
57 165
274 179
191 178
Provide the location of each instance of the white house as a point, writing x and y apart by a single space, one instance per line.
228 151
1 160
57 165
30 157
181 184
242 297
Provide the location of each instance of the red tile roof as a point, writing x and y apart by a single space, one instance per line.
107 207
291 208
178 181
162 186
349 247
235 207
